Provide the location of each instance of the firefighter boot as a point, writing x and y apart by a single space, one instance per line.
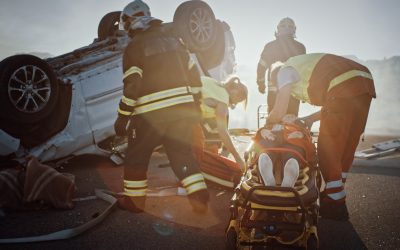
199 201
132 204
332 210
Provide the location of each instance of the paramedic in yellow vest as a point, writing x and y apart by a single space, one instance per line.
344 89
216 98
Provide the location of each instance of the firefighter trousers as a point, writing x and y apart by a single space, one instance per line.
176 137
342 124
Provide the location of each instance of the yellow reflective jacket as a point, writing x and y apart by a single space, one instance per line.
213 90
325 75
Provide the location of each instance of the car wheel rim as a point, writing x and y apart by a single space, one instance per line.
29 89
201 25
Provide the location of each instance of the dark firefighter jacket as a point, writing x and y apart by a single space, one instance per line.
280 49
161 80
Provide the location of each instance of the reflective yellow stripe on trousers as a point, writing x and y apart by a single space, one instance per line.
194 183
135 188
135 184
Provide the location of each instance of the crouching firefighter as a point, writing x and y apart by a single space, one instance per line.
159 106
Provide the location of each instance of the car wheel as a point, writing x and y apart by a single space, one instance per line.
28 89
195 23
213 56
108 25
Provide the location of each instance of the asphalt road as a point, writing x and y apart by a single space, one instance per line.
168 223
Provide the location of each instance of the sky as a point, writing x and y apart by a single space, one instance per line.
367 29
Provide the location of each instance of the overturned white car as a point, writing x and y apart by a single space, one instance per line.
67 105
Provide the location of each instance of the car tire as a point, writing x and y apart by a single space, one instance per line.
213 56
108 25
28 89
194 22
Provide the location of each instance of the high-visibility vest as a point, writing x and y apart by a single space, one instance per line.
212 89
336 70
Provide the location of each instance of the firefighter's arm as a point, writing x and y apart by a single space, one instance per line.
281 105
222 126
263 64
261 76
310 119
194 79
261 69
132 77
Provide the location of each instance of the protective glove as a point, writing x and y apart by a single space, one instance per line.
261 87
121 125
197 101
197 98
304 122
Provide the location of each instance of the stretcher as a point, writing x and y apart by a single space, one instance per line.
379 149
289 215
274 216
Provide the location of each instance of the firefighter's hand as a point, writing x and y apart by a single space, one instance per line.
304 122
197 98
197 101
121 125
267 134
261 88
242 165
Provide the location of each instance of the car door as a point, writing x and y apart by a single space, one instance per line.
102 89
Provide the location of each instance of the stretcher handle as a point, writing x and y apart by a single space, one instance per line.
276 188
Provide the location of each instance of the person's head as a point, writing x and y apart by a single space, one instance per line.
237 91
136 15
286 28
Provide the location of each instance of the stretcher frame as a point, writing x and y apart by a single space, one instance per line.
379 149
241 227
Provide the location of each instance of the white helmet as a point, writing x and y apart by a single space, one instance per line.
132 13
286 27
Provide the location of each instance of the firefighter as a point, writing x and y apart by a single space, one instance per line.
280 49
216 98
344 89
159 106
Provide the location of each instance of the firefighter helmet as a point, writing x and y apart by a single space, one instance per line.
132 13
286 27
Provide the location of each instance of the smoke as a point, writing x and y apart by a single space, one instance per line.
384 112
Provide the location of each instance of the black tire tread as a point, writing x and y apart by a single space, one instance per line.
7 110
107 25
